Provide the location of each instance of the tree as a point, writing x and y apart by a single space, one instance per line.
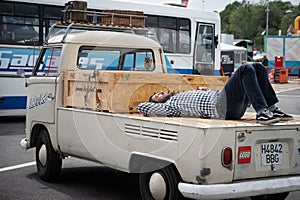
248 21
225 15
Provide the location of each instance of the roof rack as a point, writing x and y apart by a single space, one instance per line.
75 18
65 29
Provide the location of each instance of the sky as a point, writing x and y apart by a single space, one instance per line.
209 5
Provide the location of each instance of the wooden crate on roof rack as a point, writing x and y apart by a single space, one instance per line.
125 18
75 11
121 92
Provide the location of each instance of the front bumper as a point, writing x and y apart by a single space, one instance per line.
240 189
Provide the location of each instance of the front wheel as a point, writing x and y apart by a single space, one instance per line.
161 184
48 162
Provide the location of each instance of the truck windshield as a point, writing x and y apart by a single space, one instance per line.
48 62
101 58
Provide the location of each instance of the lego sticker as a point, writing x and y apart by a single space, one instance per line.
244 155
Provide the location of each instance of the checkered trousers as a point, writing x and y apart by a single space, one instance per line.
193 103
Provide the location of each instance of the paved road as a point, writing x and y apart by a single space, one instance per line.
81 179
289 98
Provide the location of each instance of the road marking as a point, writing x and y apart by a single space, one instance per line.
286 95
17 166
278 91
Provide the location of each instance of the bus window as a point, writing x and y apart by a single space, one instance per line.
184 36
20 25
51 16
204 50
167 39
172 33
26 10
20 22
184 42
6 8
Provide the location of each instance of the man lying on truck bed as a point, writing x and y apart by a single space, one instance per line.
248 85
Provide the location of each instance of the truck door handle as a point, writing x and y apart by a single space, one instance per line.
50 97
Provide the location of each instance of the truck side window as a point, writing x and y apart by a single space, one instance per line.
144 61
49 62
139 61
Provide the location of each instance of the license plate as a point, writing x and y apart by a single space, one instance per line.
272 153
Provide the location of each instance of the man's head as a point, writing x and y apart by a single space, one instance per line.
160 97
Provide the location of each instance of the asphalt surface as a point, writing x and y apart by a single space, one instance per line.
78 180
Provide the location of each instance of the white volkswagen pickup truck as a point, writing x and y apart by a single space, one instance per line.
84 105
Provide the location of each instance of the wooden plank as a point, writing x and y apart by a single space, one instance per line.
122 91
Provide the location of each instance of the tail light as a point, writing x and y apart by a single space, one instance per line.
227 157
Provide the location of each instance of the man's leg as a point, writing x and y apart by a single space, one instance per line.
269 92
265 85
241 90
238 95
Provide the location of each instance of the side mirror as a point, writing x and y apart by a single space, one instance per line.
216 41
21 72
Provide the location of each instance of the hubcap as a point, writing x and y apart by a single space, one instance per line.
157 186
43 155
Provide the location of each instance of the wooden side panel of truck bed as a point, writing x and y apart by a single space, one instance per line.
121 92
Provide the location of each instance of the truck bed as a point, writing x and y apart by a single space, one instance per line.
248 120
179 140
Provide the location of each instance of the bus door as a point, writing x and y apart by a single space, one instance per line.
204 50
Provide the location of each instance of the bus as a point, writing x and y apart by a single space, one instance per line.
189 37
248 44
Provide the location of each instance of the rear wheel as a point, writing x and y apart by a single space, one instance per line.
161 184
280 196
47 160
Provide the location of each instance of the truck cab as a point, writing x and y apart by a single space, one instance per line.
86 52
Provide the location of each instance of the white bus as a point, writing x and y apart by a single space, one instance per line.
189 37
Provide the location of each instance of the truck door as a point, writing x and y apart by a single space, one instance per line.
42 87
204 50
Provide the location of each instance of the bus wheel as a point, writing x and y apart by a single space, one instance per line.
160 185
47 160
280 196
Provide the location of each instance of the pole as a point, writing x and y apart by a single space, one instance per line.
267 18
